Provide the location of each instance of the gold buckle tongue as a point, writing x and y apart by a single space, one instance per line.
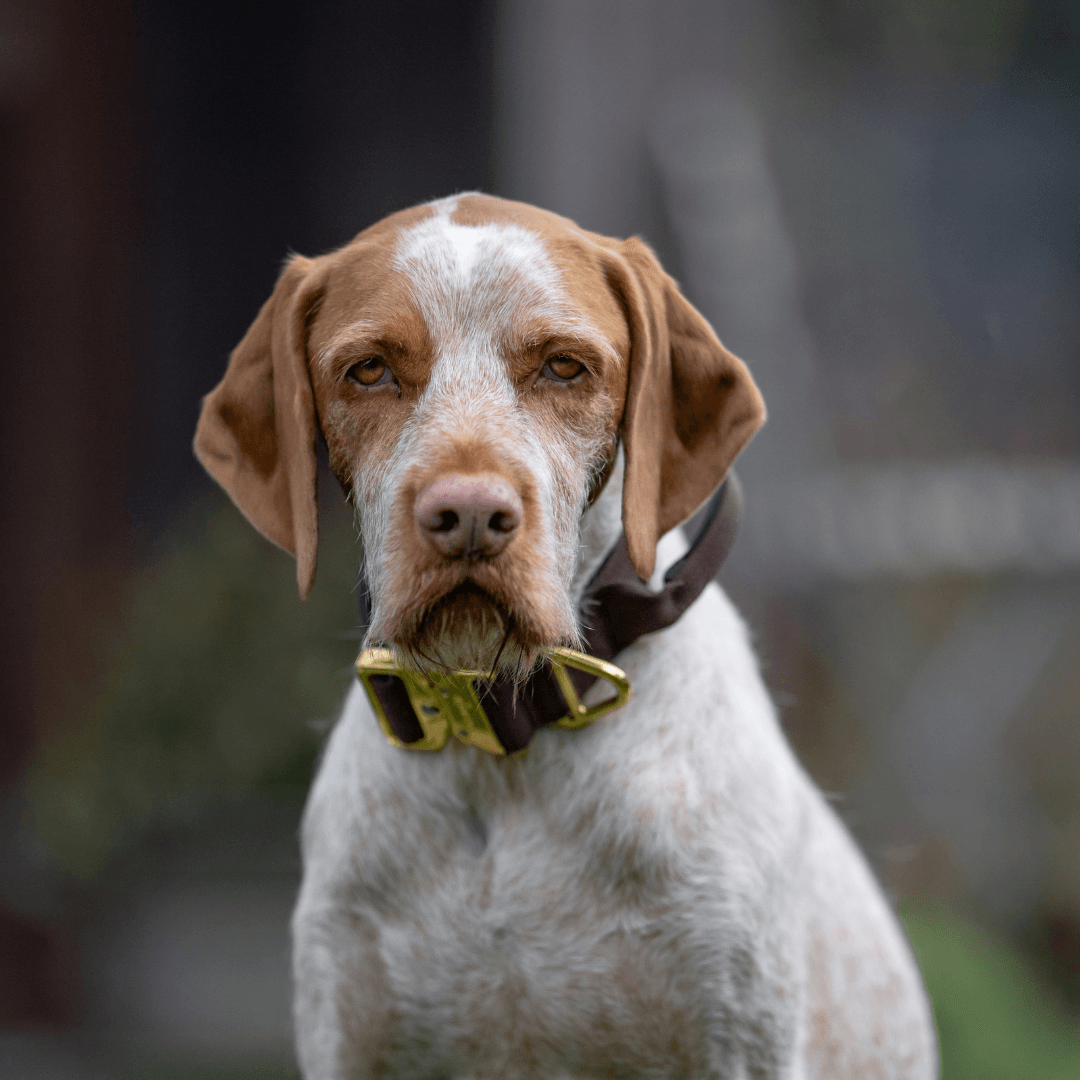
447 703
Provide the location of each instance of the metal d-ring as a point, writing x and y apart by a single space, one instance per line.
580 714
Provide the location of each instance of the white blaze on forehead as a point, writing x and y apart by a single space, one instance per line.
475 285
452 257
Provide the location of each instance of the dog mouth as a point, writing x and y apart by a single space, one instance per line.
467 601
469 628
499 615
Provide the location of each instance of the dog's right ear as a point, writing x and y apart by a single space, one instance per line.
257 432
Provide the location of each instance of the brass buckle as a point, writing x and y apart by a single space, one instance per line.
447 703
579 714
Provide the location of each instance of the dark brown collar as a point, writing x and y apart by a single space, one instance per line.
616 610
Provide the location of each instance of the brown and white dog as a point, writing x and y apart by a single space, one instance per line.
661 894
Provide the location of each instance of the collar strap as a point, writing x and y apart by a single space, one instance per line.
616 610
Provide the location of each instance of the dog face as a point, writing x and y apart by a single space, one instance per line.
474 385
473 365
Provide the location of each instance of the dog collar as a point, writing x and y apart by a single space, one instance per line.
420 711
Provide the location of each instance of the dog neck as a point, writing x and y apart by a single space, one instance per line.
599 530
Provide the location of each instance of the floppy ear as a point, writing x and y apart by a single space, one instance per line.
691 406
256 435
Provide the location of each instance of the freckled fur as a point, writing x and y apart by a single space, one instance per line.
663 894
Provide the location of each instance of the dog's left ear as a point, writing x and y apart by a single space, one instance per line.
256 435
691 405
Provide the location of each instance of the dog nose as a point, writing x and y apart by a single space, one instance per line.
469 516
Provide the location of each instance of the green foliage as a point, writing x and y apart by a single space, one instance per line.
995 1021
216 673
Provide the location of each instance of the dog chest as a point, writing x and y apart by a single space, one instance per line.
530 949
553 910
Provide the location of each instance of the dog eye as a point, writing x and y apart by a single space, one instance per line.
563 368
370 372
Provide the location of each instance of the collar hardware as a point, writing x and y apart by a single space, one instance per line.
451 703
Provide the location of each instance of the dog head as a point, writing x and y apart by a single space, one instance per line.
473 365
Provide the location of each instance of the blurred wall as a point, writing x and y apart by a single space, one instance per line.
69 211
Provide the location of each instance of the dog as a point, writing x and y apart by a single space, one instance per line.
505 398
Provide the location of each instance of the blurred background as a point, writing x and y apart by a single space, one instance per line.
876 203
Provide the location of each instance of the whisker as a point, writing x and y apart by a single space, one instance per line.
503 643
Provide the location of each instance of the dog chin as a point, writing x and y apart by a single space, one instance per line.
468 629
